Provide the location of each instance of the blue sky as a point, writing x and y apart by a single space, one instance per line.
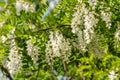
54 2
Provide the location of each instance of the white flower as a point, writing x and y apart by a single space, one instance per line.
57 46
32 8
82 25
29 7
92 3
87 36
15 63
106 16
32 26
32 51
18 7
9 36
26 7
112 75
80 1
4 39
117 35
77 20
89 22
77 26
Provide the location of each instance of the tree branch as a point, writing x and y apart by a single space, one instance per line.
65 69
6 72
50 28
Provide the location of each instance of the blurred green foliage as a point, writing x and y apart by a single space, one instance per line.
80 66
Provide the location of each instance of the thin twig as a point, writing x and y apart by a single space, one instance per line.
65 69
50 28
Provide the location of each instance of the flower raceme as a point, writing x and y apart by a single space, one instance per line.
32 51
57 46
26 6
15 62
112 75
82 25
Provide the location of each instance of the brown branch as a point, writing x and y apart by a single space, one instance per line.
65 69
50 28
6 72
42 30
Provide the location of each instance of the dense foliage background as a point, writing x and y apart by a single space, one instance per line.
60 39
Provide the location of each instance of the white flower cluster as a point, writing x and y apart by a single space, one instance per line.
80 1
57 46
89 22
7 39
77 27
26 6
32 26
82 25
106 16
77 20
3 38
15 63
92 3
117 35
33 51
112 75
